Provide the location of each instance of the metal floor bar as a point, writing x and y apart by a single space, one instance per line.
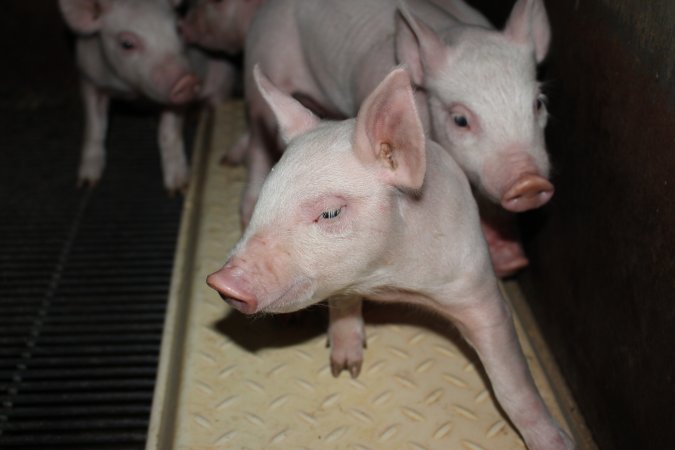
84 277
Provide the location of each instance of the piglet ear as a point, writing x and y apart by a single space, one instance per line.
528 24
83 16
292 117
417 45
389 133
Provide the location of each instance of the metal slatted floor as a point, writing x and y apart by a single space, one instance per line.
84 277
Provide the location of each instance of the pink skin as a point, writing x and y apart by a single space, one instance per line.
530 191
346 335
503 243
498 95
234 288
219 25
235 281
340 218
185 89
521 187
130 48
175 80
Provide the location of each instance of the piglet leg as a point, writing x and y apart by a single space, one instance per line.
487 325
172 151
96 124
236 154
501 234
346 335
219 82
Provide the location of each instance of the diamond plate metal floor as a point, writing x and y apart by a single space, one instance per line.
228 381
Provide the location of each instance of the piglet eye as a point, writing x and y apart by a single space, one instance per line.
331 213
539 102
128 41
127 45
460 121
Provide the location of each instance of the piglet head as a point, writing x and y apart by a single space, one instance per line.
327 213
486 106
140 43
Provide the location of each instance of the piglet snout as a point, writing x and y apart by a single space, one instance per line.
229 283
528 192
186 89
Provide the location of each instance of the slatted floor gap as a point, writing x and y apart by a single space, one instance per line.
84 277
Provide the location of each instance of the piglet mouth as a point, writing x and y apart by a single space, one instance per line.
243 305
530 191
299 295
239 305
240 295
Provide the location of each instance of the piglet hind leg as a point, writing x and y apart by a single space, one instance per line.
92 160
346 335
488 327
172 149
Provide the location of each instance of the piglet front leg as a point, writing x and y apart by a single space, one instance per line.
172 151
236 154
501 234
346 335
218 82
487 325
92 161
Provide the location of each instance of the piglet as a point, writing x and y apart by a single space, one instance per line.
368 207
131 48
487 109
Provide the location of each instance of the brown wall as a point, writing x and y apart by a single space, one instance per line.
602 280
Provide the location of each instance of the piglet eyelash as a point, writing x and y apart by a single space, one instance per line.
331 214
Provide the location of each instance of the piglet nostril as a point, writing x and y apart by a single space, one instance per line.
528 192
185 89
228 284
